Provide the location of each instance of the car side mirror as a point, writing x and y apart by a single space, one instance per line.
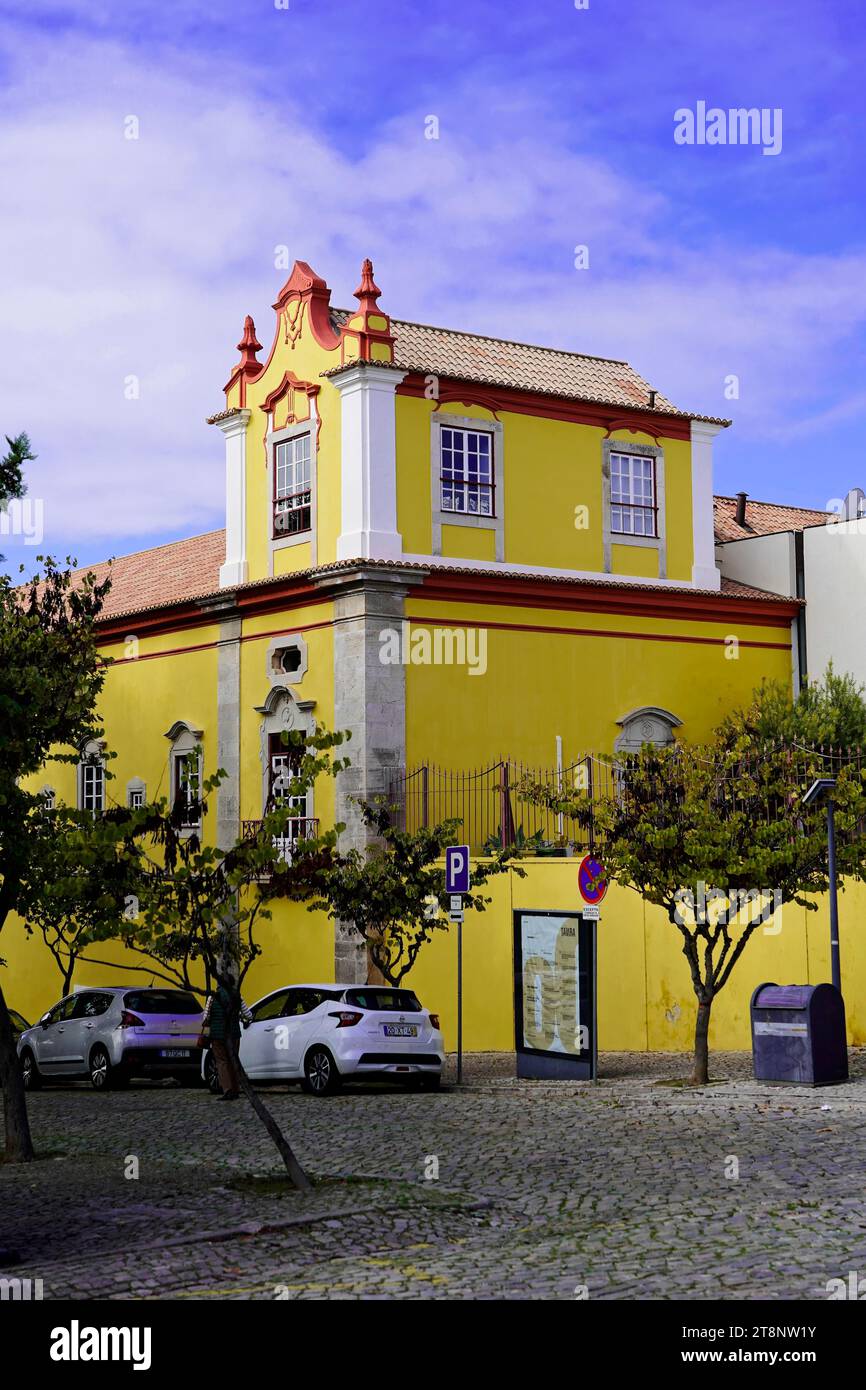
44 1020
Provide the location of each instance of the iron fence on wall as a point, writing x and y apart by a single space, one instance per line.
492 812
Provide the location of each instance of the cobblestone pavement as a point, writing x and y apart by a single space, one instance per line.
629 1188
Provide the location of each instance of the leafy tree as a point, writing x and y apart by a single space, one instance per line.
12 470
79 888
689 827
390 891
830 712
51 676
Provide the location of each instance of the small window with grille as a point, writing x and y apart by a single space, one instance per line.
466 472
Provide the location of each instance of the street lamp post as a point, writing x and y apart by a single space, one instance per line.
824 788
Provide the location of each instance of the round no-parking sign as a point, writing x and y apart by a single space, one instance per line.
591 880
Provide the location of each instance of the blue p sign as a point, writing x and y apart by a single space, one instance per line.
457 869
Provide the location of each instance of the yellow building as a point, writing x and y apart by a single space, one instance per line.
469 553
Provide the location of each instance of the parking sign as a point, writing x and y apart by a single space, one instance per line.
457 869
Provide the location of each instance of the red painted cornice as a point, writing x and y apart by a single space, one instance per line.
657 424
536 591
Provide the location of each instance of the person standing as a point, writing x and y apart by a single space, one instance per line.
224 1027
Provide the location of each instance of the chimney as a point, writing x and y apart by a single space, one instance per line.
741 508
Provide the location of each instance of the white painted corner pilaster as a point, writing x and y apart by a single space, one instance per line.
705 573
235 570
369 464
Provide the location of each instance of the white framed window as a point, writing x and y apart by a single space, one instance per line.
466 474
91 779
136 794
633 500
292 486
186 788
185 775
49 798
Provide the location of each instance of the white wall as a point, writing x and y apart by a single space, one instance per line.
766 562
834 563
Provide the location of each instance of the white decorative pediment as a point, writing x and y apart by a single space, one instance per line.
647 724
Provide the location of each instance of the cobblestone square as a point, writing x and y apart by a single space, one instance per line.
629 1188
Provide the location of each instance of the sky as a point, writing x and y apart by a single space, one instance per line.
734 280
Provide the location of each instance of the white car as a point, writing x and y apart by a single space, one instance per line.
321 1035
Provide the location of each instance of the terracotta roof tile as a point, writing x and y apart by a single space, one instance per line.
188 570
171 573
521 366
762 518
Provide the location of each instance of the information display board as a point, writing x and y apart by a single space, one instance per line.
555 995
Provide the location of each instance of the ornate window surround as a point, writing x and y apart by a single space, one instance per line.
184 739
646 724
282 709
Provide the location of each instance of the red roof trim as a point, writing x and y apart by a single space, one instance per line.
576 412
537 592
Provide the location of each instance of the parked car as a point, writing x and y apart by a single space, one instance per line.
113 1034
19 1023
320 1035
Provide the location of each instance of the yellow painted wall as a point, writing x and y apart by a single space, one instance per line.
468 542
645 997
641 560
307 360
540 684
551 468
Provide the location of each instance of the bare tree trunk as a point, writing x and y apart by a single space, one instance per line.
374 972
701 1073
19 1144
297 1176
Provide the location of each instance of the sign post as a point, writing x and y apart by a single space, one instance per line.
591 882
456 884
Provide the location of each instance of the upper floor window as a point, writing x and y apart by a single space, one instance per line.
91 780
292 487
466 472
633 505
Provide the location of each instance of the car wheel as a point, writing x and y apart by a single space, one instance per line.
321 1077
211 1075
30 1071
103 1076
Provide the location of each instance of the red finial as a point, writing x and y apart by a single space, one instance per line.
249 344
368 291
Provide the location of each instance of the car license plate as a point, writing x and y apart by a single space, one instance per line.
175 1052
401 1030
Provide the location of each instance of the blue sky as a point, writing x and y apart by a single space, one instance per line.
304 127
